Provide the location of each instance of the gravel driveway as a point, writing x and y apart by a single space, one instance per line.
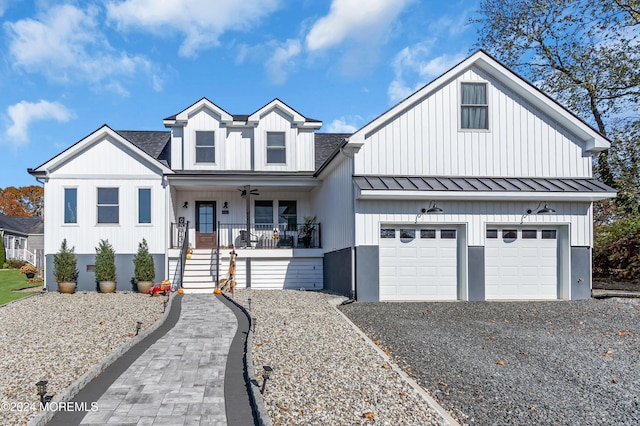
557 362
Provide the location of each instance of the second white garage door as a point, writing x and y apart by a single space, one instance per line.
418 263
521 263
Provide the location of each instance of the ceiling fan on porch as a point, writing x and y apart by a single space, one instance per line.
243 191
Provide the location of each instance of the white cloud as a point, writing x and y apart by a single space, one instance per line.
353 19
3 6
413 63
24 113
200 22
281 61
65 44
341 126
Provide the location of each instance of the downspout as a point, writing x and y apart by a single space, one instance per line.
353 231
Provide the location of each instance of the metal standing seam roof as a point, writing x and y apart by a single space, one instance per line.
479 184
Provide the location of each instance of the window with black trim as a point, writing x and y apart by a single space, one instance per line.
108 207
288 214
205 147
276 148
474 106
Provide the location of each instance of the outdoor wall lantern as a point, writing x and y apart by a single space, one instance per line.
266 373
185 205
544 210
225 206
433 208
138 327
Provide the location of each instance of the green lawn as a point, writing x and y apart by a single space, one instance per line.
11 280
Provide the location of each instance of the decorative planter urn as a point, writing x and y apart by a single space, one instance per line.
67 287
144 286
107 286
30 275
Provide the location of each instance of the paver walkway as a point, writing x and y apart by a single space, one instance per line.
179 380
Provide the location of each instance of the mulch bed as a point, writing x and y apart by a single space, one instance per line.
608 283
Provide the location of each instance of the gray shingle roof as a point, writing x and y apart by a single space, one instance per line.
150 141
487 184
326 144
22 224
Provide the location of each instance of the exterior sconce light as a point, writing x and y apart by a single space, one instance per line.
138 327
266 373
225 206
545 210
185 205
434 209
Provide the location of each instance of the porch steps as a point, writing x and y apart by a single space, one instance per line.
200 272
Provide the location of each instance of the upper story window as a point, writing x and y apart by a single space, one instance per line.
144 205
474 112
205 147
276 148
108 207
70 205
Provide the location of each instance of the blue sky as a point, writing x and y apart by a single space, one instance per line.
66 68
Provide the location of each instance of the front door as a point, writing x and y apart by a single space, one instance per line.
205 224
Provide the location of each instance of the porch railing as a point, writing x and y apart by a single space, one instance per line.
270 235
22 254
182 240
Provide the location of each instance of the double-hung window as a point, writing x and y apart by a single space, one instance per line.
108 207
474 112
276 148
205 147
70 205
288 214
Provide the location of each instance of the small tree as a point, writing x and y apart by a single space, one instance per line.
105 262
143 263
64 264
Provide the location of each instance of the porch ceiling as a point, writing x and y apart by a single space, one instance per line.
231 182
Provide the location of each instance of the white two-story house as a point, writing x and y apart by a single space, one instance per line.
476 187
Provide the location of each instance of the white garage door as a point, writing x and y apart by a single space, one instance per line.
521 263
418 263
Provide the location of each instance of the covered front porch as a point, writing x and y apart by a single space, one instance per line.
269 222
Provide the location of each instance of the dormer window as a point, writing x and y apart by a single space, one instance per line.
276 148
205 147
474 112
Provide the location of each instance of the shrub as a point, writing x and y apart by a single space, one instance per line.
64 264
105 262
28 269
16 263
616 249
143 262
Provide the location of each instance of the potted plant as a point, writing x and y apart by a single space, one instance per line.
144 269
64 268
29 270
305 233
106 267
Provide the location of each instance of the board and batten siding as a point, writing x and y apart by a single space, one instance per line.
204 120
299 143
333 206
86 234
239 148
475 215
426 139
105 164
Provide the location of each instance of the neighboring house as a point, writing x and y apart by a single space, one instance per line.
23 238
476 187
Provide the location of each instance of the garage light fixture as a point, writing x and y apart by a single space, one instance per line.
434 209
546 210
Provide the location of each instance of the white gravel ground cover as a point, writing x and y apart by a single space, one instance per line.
324 373
58 337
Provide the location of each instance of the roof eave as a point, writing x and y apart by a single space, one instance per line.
381 194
